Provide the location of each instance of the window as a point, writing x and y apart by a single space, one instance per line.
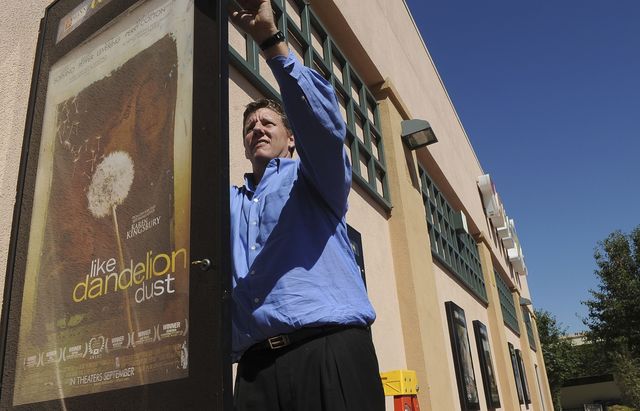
457 251
308 39
527 321
506 304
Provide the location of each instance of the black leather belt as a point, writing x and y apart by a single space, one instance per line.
300 335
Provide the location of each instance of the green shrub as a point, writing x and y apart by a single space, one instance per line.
620 408
628 377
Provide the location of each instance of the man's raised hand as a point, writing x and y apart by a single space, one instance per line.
255 17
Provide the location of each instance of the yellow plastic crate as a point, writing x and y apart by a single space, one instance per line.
399 382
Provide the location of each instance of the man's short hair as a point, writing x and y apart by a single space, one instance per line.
265 103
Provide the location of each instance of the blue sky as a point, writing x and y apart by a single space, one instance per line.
549 94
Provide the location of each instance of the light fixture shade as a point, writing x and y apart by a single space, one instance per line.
525 301
417 133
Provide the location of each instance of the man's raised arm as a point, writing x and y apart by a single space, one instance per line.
310 104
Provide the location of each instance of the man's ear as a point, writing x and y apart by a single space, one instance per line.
291 144
246 151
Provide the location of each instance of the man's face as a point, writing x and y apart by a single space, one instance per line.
266 137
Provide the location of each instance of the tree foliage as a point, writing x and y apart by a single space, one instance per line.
628 377
614 308
591 360
559 356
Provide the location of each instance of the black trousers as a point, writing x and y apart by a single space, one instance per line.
334 372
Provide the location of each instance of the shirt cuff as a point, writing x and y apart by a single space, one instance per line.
284 66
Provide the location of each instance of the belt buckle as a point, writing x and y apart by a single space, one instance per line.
278 341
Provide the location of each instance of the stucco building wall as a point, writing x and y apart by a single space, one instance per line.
19 34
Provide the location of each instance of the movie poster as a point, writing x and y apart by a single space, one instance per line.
468 375
105 303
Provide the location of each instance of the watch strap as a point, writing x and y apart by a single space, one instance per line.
272 41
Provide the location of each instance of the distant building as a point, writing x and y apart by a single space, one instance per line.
600 389
577 339
432 236
588 389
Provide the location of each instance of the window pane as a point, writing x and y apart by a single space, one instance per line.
359 123
343 106
355 91
337 68
370 114
380 182
374 147
295 46
317 40
349 149
293 11
364 168
237 40
320 70
265 72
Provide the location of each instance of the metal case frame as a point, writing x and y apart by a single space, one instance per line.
209 382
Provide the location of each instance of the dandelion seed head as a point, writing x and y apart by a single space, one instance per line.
110 183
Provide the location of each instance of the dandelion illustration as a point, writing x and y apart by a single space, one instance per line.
109 188
110 183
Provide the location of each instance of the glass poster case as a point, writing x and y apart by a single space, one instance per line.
116 289
462 360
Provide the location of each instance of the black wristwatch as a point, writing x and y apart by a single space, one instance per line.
272 41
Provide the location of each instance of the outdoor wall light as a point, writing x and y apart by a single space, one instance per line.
417 133
525 301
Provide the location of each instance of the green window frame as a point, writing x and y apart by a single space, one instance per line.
506 304
457 251
527 322
311 42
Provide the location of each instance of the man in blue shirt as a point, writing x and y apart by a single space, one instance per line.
300 312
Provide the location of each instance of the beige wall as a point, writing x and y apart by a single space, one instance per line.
422 326
450 290
381 282
19 32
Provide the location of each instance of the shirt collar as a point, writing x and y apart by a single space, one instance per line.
248 177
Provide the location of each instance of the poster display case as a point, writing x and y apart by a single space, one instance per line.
489 380
516 373
462 360
115 290
523 378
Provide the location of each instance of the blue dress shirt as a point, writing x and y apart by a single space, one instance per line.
293 265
